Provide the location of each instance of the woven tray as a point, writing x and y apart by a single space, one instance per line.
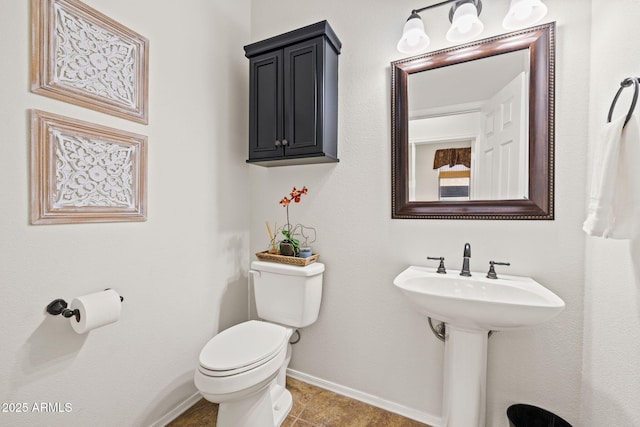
291 260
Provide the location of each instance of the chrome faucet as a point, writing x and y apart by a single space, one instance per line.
465 261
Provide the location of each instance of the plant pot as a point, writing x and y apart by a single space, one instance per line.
287 249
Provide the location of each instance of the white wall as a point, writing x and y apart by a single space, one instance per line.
367 337
182 273
611 372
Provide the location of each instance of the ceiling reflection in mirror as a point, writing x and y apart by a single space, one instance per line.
468 130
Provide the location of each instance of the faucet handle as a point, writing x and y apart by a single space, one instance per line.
492 271
441 268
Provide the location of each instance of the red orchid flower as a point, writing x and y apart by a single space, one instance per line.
296 196
285 201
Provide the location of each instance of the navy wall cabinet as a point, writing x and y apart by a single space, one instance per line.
293 105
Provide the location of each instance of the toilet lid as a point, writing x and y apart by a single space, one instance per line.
243 345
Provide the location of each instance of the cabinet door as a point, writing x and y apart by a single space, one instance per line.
303 76
265 115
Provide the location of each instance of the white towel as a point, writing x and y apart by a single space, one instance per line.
614 203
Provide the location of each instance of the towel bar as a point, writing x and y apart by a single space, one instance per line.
626 83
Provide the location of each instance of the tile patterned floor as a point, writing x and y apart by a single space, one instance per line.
312 407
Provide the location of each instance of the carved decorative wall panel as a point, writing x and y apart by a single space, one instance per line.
82 56
83 172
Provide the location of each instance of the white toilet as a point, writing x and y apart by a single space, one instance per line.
243 368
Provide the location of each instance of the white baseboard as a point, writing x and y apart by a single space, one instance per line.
370 399
178 410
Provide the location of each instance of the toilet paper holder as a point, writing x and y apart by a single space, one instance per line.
59 306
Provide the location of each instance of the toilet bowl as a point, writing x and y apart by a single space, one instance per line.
240 368
243 368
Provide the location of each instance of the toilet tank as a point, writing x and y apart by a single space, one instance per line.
287 294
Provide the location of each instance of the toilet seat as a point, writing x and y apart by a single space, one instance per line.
242 348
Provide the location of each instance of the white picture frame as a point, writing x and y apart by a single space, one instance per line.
83 57
83 172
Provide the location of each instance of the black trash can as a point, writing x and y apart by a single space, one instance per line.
522 415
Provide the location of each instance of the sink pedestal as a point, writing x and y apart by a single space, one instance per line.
465 377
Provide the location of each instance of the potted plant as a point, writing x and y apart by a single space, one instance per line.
296 239
290 246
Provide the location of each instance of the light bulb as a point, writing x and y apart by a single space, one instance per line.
413 39
523 13
465 24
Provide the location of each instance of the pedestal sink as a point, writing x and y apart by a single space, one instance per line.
471 307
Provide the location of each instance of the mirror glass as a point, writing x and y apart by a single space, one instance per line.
468 130
472 129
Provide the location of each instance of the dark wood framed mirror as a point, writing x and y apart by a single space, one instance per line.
509 176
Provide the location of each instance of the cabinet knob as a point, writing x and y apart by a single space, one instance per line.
278 143
285 142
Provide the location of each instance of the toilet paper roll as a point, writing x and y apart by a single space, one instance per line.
97 309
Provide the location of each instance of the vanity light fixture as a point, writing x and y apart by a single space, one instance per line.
465 22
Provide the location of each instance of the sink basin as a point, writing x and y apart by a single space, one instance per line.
477 302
